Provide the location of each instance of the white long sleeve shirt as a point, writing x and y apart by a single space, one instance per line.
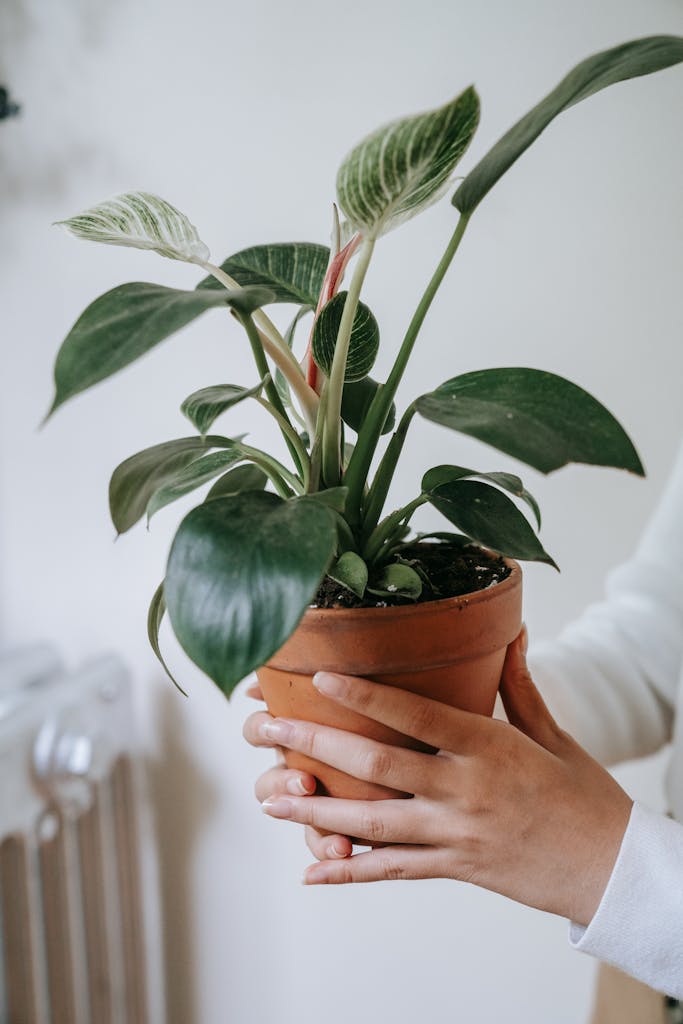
614 680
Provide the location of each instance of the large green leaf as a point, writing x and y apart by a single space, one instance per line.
199 472
438 475
242 478
134 482
630 60
203 407
140 220
240 575
535 416
363 344
357 398
292 271
490 518
124 323
405 166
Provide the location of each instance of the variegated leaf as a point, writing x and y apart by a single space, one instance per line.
293 271
363 344
405 166
140 220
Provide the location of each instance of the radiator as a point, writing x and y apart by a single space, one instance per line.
76 882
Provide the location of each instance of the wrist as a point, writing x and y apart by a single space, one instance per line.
602 851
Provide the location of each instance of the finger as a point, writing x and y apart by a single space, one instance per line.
327 846
523 704
253 731
390 863
374 821
434 723
254 690
396 767
278 781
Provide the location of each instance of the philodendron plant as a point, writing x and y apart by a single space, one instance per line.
248 560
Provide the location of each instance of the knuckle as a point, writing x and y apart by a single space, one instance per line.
376 764
370 827
392 869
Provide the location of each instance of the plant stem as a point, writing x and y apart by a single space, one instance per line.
317 443
332 421
272 392
289 431
384 530
286 484
380 485
371 431
279 351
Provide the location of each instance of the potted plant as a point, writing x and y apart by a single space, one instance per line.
291 564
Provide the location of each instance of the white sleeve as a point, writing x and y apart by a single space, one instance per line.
612 676
638 926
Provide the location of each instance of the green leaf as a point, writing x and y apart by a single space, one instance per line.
351 572
405 166
363 344
488 517
357 398
397 580
433 478
156 613
537 417
333 497
292 271
134 482
242 478
281 382
203 407
241 573
630 60
140 220
191 477
124 323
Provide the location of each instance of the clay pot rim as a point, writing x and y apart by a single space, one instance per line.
424 607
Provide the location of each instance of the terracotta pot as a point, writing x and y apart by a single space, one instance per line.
451 650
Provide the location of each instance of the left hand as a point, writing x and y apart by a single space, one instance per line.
517 807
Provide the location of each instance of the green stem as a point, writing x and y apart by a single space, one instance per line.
247 322
384 530
279 351
286 483
317 444
289 431
377 495
359 466
332 423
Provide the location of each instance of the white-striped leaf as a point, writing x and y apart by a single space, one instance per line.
293 271
405 166
140 220
363 344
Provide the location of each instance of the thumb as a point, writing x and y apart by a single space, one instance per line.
523 704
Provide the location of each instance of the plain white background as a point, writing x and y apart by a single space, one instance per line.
240 115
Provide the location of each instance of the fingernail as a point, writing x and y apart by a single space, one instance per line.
524 638
277 807
279 731
329 684
298 787
316 874
335 851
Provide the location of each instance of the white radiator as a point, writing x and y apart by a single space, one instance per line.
76 893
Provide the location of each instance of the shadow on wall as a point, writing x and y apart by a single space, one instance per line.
182 802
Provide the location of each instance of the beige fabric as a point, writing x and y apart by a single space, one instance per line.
620 999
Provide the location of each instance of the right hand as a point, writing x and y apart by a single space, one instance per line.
281 780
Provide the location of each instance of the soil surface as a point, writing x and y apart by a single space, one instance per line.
447 570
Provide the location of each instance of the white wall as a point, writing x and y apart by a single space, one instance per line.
240 114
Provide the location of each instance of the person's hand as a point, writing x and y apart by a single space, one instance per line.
282 781
519 808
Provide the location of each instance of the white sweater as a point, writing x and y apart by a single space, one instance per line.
614 679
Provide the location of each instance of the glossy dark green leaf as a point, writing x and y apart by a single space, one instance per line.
351 572
537 417
630 60
488 517
134 482
333 497
433 478
157 609
199 472
363 344
242 478
396 580
356 400
203 407
241 573
124 323
292 271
